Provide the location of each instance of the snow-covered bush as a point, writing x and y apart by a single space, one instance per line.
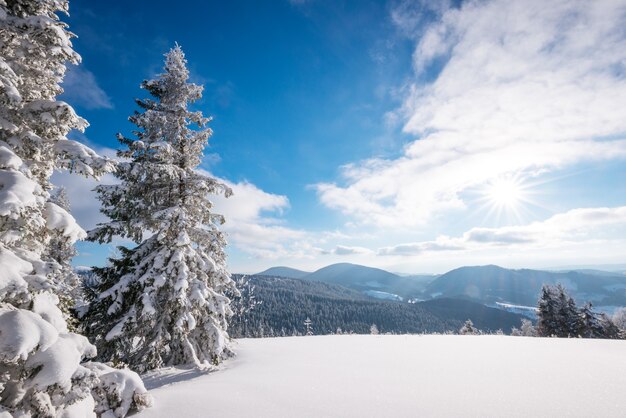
468 328
619 319
118 391
526 330
163 302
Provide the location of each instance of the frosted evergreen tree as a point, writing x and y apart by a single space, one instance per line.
527 329
619 319
308 326
40 370
374 329
591 326
568 313
468 328
557 313
547 308
163 302
609 329
597 325
243 301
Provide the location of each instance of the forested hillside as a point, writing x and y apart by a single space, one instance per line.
286 303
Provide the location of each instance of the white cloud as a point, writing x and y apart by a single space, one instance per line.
527 86
577 224
252 223
82 89
415 248
347 250
584 226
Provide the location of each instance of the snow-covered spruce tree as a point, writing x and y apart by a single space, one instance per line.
40 370
526 330
243 302
308 326
557 314
547 313
163 302
597 325
591 325
619 319
468 328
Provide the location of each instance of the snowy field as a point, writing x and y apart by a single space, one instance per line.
403 376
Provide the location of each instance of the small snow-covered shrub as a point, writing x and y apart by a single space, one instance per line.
117 391
619 319
468 328
527 329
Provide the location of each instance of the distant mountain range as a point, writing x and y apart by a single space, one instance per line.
375 282
281 271
491 284
485 284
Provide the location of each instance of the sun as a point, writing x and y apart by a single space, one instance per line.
504 193
507 198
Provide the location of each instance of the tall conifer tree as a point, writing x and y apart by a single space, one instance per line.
40 371
163 302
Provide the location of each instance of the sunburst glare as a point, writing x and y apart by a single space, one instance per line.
507 198
504 192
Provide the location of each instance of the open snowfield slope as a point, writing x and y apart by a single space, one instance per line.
403 376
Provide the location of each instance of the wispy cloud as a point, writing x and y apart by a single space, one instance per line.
82 89
583 226
524 86
411 16
347 250
416 248
253 222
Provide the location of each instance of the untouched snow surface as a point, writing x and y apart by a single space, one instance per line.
402 376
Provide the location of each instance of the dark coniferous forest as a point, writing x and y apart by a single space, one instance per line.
284 304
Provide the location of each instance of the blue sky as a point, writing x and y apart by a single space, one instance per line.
412 136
